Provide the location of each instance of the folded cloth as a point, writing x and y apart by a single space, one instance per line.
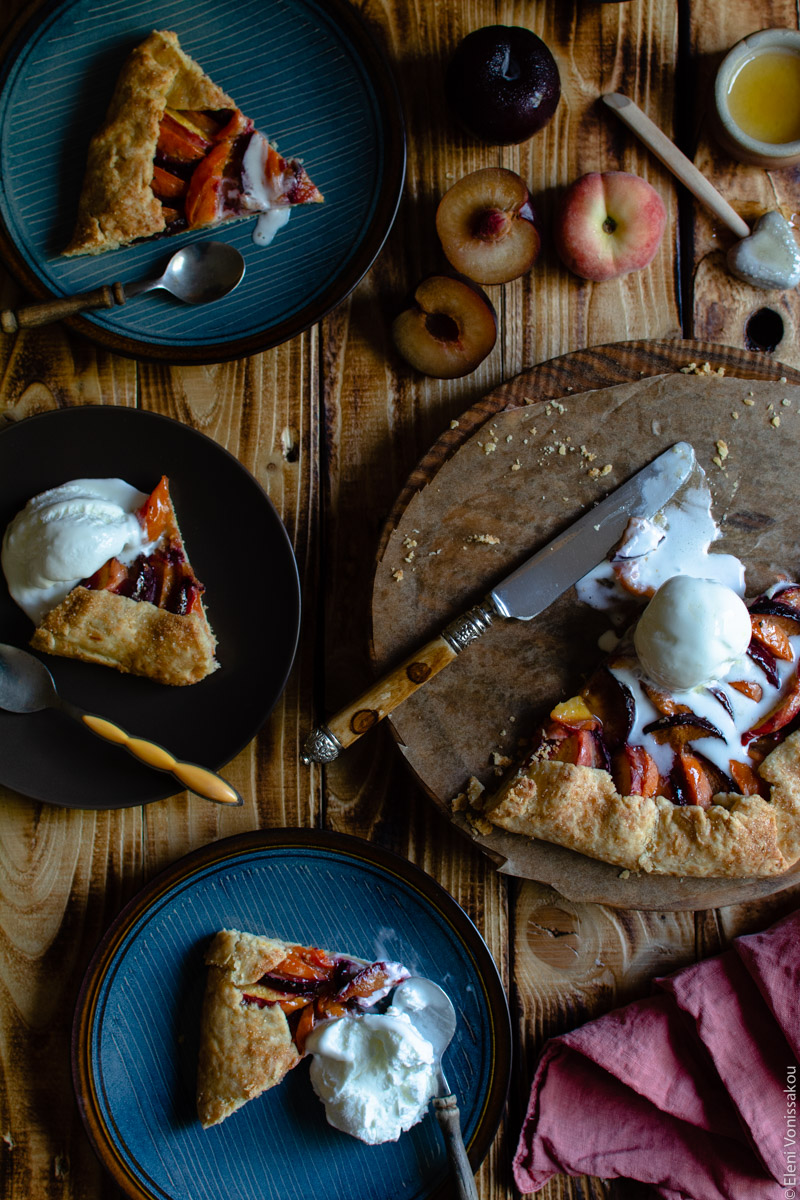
692 1091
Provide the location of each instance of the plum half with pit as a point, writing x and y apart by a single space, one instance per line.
502 84
448 328
487 226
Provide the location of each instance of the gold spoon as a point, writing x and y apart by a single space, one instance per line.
26 686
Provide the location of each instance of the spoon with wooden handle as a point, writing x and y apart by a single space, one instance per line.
26 686
197 274
768 257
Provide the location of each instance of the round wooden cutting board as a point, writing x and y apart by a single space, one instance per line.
522 464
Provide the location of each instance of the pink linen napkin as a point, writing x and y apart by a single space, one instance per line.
692 1091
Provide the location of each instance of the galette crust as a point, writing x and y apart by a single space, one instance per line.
244 1049
117 204
737 836
134 636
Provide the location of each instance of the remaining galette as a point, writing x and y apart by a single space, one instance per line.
176 153
705 784
146 618
262 999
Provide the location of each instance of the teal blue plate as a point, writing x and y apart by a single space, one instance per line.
310 77
136 1029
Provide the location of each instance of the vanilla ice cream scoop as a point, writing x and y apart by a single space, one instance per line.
375 1074
691 633
66 534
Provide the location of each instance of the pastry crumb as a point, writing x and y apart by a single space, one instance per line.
475 790
775 421
454 425
516 465
479 824
624 875
487 539
459 802
397 575
722 449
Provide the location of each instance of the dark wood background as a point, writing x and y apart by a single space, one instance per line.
360 420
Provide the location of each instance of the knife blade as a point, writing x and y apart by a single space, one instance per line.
522 595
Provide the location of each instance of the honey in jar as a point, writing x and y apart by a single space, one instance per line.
764 96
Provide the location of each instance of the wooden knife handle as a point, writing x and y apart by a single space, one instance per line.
449 1118
326 742
53 310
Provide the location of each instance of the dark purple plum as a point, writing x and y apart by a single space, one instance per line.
681 727
765 659
503 84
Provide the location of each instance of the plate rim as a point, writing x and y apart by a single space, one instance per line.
238 846
171 787
393 130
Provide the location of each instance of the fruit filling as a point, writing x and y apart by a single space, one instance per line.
310 985
212 166
697 744
163 576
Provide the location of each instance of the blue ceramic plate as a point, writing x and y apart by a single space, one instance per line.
227 520
310 78
135 1036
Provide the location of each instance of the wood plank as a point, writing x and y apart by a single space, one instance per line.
723 307
379 418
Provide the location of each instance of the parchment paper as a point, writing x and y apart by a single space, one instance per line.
507 491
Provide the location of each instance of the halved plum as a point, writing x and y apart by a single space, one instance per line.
448 328
487 226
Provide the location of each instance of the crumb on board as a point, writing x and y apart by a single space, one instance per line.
487 539
775 421
624 874
748 401
706 369
599 472
516 465
397 575
454 425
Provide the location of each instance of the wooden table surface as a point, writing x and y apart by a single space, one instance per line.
359 420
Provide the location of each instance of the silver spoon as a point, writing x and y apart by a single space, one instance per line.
197 274
26 686
431 1012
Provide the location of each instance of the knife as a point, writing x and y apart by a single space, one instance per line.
522 595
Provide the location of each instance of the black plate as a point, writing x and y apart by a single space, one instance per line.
238 548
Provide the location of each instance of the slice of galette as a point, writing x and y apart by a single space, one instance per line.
146 618
698 782
176 153
262 999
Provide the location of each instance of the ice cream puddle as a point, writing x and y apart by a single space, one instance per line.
258 196
374 1074
701 673
64 535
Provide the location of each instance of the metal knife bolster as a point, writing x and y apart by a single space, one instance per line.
470 625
